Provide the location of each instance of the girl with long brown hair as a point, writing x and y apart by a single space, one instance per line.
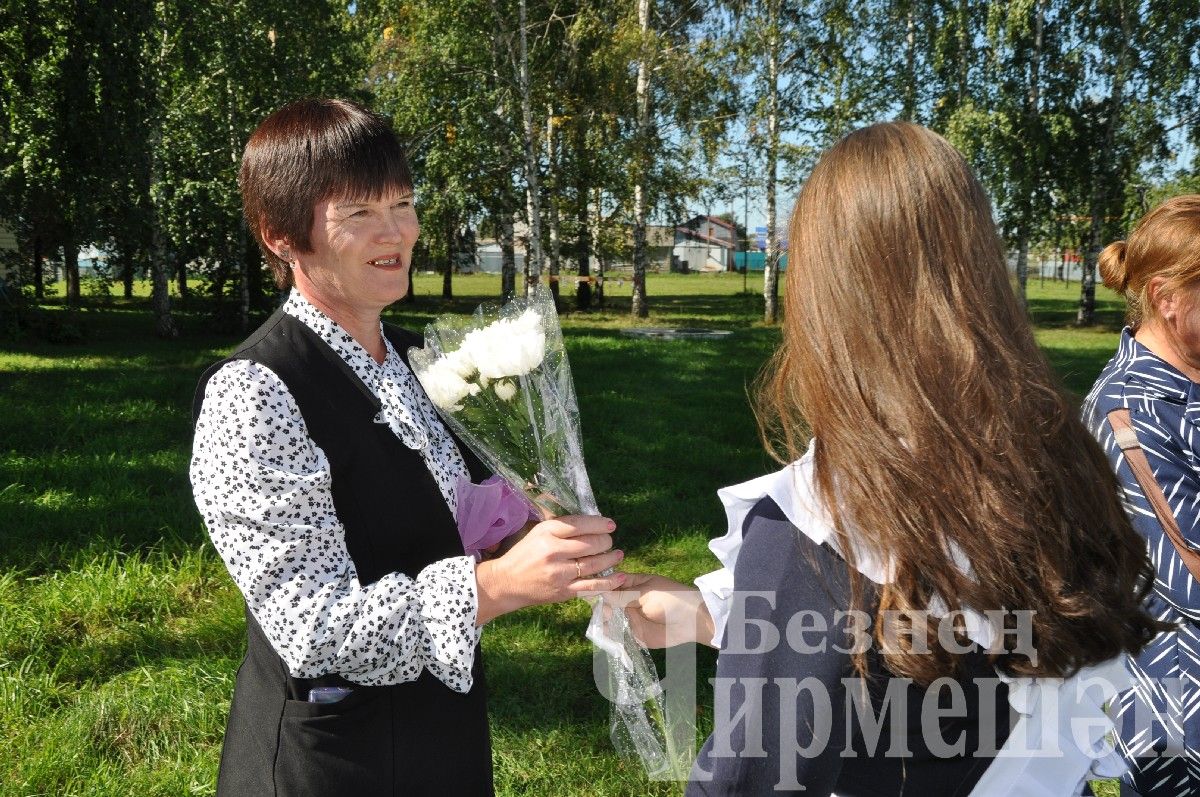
1152 382
945 541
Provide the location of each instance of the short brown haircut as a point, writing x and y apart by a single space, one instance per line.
305 153
1165 243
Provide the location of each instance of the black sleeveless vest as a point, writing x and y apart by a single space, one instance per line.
413 738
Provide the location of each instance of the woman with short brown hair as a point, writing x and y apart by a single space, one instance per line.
944 524
1150 387
329 487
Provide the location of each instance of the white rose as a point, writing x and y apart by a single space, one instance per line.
445 387
505 390
508 347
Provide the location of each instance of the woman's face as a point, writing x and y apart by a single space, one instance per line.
361 252
1173 332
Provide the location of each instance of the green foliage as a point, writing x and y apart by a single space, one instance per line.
125 122
445 72
22 319
434 73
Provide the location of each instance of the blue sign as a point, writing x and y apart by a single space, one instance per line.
760 240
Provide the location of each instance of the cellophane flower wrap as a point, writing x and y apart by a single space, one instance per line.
501 381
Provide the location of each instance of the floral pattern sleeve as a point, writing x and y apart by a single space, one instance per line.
263 488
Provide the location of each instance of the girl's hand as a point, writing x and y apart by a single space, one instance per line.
662 613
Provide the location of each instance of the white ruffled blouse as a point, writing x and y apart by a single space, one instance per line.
1063 737
264 489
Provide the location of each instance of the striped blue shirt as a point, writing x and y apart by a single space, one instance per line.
1164 406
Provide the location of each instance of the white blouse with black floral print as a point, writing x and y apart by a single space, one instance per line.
264 490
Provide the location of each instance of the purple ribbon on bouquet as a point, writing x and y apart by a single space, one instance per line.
490 511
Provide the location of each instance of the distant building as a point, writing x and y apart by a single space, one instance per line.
660 246
91 260
704 243
490 260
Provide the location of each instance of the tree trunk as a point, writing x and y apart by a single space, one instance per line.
127 268
533 250
964 45
552 204
243 281
181 275
601 261
160 298
71 270
638 306
508 258
1100 171
39 280
451 257
1022 265
243 271
220 276
908 110
771 265
555 252
1031 170
583 288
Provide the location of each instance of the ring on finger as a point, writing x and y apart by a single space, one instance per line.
578 570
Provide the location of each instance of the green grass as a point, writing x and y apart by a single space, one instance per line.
120 632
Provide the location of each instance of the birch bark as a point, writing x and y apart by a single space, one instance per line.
639 307
533 250
771 265
1031 170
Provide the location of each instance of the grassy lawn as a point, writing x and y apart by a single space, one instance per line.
120 631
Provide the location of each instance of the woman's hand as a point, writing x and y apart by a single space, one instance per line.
663 613
556 560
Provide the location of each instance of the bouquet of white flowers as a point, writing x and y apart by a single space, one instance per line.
502 383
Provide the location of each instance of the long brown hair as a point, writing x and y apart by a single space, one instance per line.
938 421
1166 244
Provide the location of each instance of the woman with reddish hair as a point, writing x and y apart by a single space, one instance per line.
1150 390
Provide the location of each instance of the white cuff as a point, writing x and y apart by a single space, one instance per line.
449 607
717 590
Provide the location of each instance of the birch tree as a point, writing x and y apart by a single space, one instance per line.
771 43
1141 56
512 30
429 74
683 102
56 152
642 154
593 87
1005 130
218 71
